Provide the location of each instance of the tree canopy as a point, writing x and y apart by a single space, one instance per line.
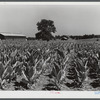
45 28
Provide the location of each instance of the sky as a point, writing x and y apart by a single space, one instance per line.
68 19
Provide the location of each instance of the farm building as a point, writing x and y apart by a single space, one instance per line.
64 37
5 36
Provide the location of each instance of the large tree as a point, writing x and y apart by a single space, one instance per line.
45 28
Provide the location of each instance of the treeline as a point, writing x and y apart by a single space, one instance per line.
85 36
65 37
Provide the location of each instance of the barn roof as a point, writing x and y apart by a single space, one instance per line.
10 34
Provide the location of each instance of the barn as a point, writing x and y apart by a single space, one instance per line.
10 36
64 37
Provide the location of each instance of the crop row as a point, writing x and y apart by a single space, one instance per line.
65 64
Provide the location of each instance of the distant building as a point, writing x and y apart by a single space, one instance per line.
6 36
64 37
31 38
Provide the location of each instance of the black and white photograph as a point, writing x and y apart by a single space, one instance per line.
50 47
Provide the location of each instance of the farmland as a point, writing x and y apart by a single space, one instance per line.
54 65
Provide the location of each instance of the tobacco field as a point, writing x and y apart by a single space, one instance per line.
46 66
